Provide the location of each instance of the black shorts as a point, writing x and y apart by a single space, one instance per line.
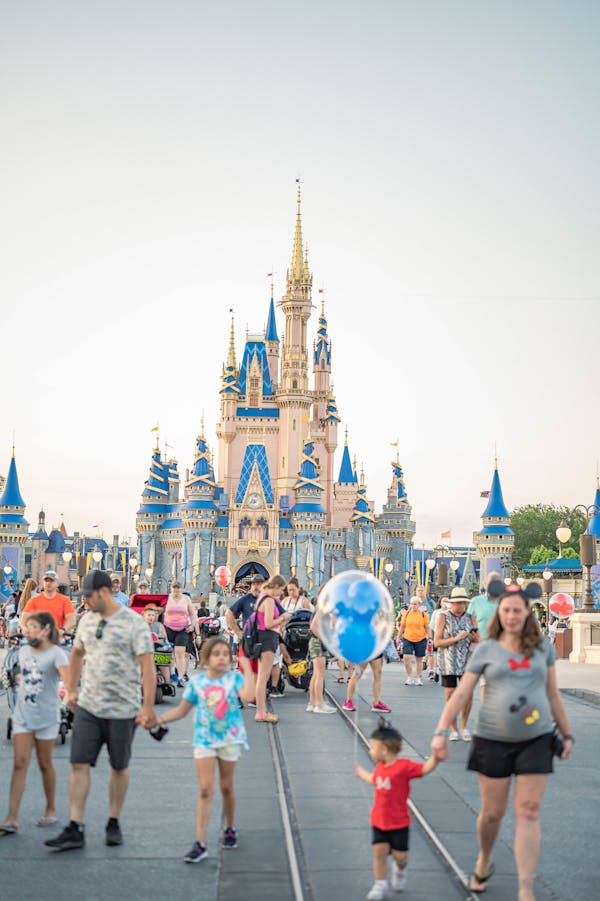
91 732
499 759
450 681
179 639
397 839
269 640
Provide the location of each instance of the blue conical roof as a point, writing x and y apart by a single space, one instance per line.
202 473
11 496
157 484
496 506
271 330
347 475
595 520
56 542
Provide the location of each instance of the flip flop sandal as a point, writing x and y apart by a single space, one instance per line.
47 821
482 880
341 679
5 829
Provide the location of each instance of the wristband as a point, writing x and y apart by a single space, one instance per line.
569 738
443 732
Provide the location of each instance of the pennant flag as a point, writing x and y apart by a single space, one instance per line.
484 494
305 419
394 444
269 275
155 429
447 534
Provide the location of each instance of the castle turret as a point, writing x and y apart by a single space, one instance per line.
307 517
394 528
154 508
199 513
344 490
13 529
363 521
325 418
272 343
496 540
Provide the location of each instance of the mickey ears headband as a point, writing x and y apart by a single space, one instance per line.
530 592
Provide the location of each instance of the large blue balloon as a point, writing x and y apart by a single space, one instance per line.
356 640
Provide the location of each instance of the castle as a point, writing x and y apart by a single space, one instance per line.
274 503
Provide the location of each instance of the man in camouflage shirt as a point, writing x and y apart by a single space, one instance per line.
117 647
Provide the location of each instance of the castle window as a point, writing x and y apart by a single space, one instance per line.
254 383
295 383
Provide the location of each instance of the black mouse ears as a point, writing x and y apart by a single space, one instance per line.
531 592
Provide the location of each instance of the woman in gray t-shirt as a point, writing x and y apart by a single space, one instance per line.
36 717
514 730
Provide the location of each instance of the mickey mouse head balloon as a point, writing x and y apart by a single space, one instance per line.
561 605
355 616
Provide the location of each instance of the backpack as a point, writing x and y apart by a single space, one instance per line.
251 646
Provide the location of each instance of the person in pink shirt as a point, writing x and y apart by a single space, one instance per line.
179 621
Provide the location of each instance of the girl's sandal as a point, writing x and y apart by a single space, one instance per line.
482 880
47 821
8 829
340 679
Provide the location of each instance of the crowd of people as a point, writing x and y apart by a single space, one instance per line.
110 681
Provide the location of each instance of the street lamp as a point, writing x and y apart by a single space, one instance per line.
149 572
96 555
67 557
8 569
587 549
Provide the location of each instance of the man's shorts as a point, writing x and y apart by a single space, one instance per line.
253 663
49 733
91 732
499 759
228 753
397 839
315 648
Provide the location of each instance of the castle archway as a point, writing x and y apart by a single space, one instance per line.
249 569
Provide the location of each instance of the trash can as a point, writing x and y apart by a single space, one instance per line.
564 643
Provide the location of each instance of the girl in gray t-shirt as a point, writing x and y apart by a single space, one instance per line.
514 731
36 716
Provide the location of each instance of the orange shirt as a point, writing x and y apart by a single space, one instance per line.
59 606
415 625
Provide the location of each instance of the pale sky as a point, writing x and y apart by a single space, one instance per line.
449 158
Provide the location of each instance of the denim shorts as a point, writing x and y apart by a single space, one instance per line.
418 648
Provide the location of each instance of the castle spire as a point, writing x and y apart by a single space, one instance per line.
347 474
297 268
271 329
496 506
231 355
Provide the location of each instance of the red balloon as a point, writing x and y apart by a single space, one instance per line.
561 605
223 576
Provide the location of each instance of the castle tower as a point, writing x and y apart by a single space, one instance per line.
39 542
272 343
307 517
344 491
226 428
293 396
363 521
152 513
13 530
199 514
496 540
325 416
595 520
395 529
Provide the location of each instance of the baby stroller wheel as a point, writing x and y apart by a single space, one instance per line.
62 731
168 690
8 729
158 695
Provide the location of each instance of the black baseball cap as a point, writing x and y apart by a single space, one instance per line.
257 579
95 580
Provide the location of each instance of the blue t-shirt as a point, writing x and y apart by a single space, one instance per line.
243 607
218 716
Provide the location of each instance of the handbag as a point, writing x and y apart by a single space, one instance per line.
557 744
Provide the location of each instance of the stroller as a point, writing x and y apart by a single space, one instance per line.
296 636
163 651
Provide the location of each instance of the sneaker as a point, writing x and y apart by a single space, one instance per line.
113 833
230 838
418 682
70 838
197 852
466 735
267 718
454 736
398 877
378 892
380 707
251 704
276 694
324 708
437 677
186 678
431 676
310 708
410 681
349 705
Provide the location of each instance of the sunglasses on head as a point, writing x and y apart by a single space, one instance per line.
100 629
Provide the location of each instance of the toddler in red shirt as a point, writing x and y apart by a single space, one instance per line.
389 817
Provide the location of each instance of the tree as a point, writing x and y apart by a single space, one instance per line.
541 554
536 524
570 553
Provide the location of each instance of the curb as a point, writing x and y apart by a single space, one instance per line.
584 694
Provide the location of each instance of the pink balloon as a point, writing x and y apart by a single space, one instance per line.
223 576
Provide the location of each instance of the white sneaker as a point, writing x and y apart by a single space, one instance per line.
418 682
310 708
410 681
324 708
466 735
454 736
398 877
377 893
